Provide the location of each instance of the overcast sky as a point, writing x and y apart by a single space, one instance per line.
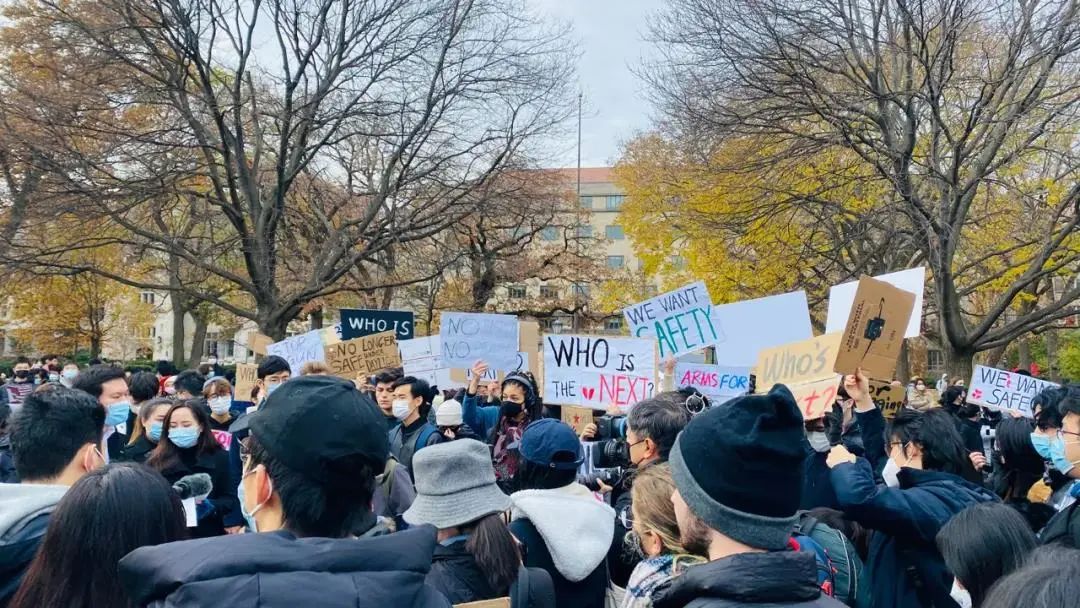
611 35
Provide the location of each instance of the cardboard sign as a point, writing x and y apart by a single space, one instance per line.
875 331
357 323
751 326
247 375
1002 390
467 337
888 398
596 371
258 343
815 398
714 381
298 350
806 361
680 321
577 417
364 356
841 298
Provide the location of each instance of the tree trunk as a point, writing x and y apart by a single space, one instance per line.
903 364
95 345
1053 370
315 319
197 339
958 364
1023 347
179 330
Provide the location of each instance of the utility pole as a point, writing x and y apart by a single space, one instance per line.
577 287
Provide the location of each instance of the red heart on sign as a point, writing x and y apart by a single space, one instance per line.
977 394
589 393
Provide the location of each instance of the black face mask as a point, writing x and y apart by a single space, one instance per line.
21 374
509 409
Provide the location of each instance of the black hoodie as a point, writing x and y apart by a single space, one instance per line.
775 579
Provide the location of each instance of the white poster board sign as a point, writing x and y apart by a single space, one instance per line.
468 337
1002 390
598 371
420 359
713 381
298 350
751 326
680 320
842 296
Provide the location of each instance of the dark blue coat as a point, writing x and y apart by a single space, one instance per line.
278 570
480 418
904 522
817 480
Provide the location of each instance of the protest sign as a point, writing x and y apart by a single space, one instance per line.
420 359
247 375
357 323
577 417
298 350
887 397
875 331
680 321
751 326
467 337
841 298
1002 390
714 381
596 371
361 357
331 334
527 357
258 343
805 361
815 398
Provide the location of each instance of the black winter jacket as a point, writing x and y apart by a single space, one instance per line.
278 570
223 494
455 574
762 580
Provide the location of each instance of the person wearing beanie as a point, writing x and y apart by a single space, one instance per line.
562 526
311 457
906 514
738 472
448 417
477 558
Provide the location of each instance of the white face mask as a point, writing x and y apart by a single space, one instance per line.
960 595
401 408
889 474
819 441
220 405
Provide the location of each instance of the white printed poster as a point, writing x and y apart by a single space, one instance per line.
751 326
468 337
598 371
298 350
420 358
681 320
842 296
713 381
1002 390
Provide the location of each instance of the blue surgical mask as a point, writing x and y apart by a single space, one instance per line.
248 517
117 413
270 388
1041 443
184 437
154 434
1057 455
70 374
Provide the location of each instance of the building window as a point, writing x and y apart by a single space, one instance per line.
147 297
230 349
613 324
678 262
549 291
581 290
586 202
614 233
210 344
935 361
549 234
517 292
614 202
584 232
616 262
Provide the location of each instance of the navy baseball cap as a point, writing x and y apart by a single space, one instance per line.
310 423
545 438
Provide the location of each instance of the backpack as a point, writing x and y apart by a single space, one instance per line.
423 436
532 589
844 561
826 572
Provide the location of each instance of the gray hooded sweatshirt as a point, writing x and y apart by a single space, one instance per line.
24 515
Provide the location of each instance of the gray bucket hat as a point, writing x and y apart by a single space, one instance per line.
455 485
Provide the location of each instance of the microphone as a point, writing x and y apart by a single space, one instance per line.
198 484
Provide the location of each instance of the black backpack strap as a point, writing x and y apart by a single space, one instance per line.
532 589
805 524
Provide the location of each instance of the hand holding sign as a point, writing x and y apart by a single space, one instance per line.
478 370
857 386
